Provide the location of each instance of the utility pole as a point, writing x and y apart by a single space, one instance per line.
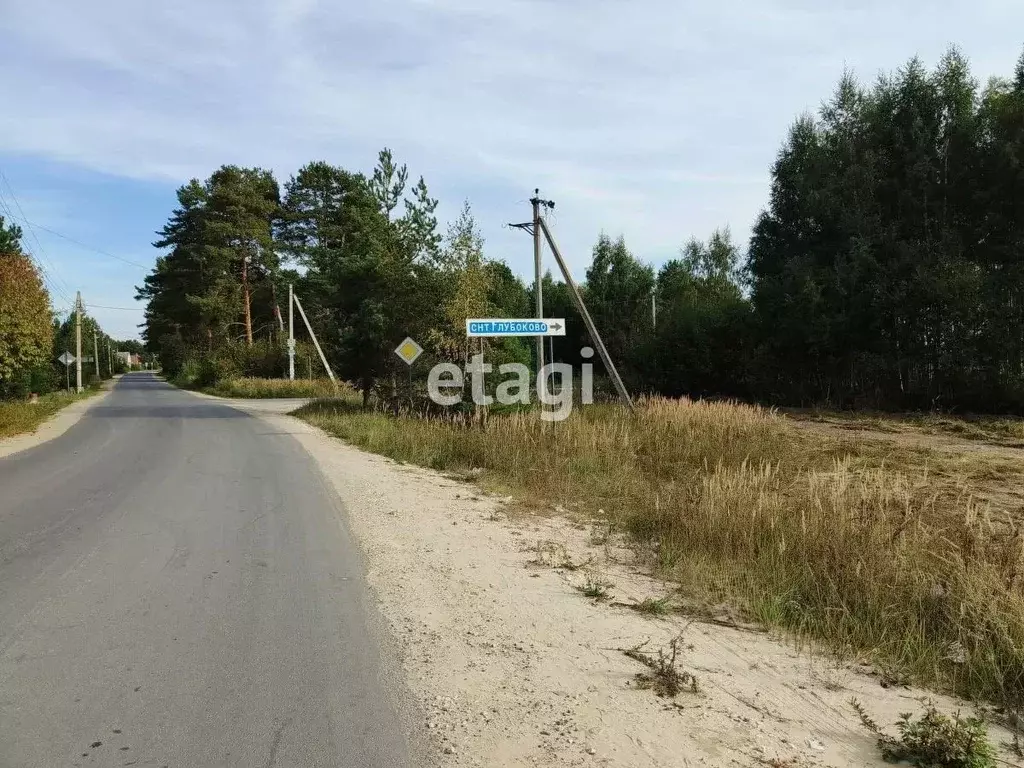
534 227
245 296
291 334
654 308
538 285
587 320
110 359
316 344
96 351
277 310
78 341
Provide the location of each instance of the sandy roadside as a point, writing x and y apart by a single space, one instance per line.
513 666
55 426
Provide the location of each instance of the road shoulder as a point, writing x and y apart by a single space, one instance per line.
56 425
513 665
255 405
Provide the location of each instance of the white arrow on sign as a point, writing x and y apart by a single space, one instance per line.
67 358
526 326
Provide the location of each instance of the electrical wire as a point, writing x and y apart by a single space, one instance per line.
80 244
126 309
54 280
68 305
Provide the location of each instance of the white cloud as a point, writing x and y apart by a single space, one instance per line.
655 118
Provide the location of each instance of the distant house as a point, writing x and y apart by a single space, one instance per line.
129 359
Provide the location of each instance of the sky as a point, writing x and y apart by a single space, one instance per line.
657 120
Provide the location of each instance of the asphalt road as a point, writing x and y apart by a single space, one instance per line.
176 590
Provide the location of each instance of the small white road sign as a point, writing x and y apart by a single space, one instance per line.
502 326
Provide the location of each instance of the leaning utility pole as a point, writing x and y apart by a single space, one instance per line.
78 341
587 320
309 328
291 334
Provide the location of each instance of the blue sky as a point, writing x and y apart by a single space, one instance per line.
655 119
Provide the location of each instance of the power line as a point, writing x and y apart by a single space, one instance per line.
126 309
80 244
55 279
23 218
39 245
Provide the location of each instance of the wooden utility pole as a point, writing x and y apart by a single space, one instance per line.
78 341
245 296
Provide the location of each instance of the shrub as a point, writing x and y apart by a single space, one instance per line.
40 379
173 355
933 740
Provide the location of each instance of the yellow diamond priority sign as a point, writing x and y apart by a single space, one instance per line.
409 350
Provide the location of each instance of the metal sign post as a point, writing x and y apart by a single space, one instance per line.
67 358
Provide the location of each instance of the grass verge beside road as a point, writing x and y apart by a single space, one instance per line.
17 417
265 388
879 550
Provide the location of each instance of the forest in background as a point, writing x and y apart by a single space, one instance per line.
885 271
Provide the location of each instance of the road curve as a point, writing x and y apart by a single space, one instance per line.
176 590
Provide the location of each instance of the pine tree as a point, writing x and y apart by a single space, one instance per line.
388 182
466 271
618 297
419 224
10 237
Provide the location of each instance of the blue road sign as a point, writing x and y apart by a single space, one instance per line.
502 326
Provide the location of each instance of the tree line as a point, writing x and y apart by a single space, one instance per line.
32 336
885 270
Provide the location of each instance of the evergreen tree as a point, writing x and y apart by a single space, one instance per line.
10 237
618 296
388 182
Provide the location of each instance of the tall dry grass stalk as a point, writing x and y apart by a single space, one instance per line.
734 503
267 388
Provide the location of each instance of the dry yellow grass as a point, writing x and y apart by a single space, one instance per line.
268 388
1008 430
868 551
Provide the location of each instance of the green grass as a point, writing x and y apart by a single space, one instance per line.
17 417
874 550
